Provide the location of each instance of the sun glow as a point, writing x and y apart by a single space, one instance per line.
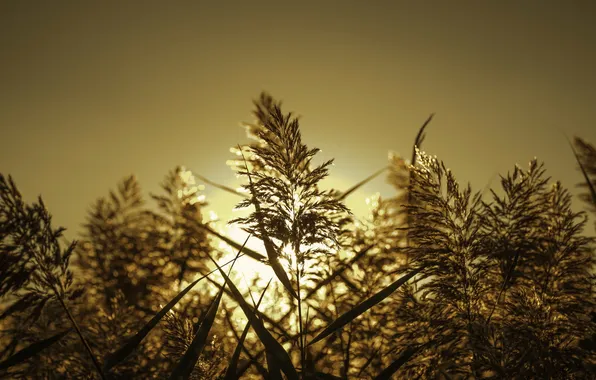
251 269
251 275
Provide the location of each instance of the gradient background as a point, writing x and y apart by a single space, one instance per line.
91 92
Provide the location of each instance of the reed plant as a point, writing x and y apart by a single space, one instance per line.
439 281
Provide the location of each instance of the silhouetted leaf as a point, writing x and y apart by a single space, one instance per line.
339 271
36 311
390 370
359 309
231 370
273 368
131 344
191 356
585 174
265 336
345 194
249 252
31 350
222 187
25 302
420 138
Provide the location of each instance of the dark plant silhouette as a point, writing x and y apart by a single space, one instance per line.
36 270
438 282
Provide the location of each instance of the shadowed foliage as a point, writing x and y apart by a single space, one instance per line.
438 282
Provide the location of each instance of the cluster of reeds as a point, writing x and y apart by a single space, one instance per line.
438 282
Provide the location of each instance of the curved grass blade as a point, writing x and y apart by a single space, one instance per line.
339 271
271 345
417 144
231 370
31 350
191 356
275 325
100 371
269 247
345 194
352 314
247 251
584 172
252 359
420 138
131 344
221 187
188 361
273 368
388 372
281 274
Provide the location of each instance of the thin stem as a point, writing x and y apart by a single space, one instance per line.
87 347
301 339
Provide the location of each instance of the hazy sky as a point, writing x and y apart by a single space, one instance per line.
91 92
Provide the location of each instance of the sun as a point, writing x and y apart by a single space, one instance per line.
250 275
251 269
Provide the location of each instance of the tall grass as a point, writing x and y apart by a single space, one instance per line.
438 281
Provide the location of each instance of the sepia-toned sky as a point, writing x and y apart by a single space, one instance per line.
91 92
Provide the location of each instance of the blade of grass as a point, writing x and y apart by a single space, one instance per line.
352 314
273 367
339 271
272 345
32 350
417 143
269 247
81 337
275 325
247 251
420 138
221 187
253 360
188 361
390 370
131 344
345 194
584 172
231 370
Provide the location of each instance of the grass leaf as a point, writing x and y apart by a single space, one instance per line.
131 344
390 370
247 251
360 184
352 314
585 173
271 345
339 271
231 370
221 187
420 138
31 350
191 356
273 368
